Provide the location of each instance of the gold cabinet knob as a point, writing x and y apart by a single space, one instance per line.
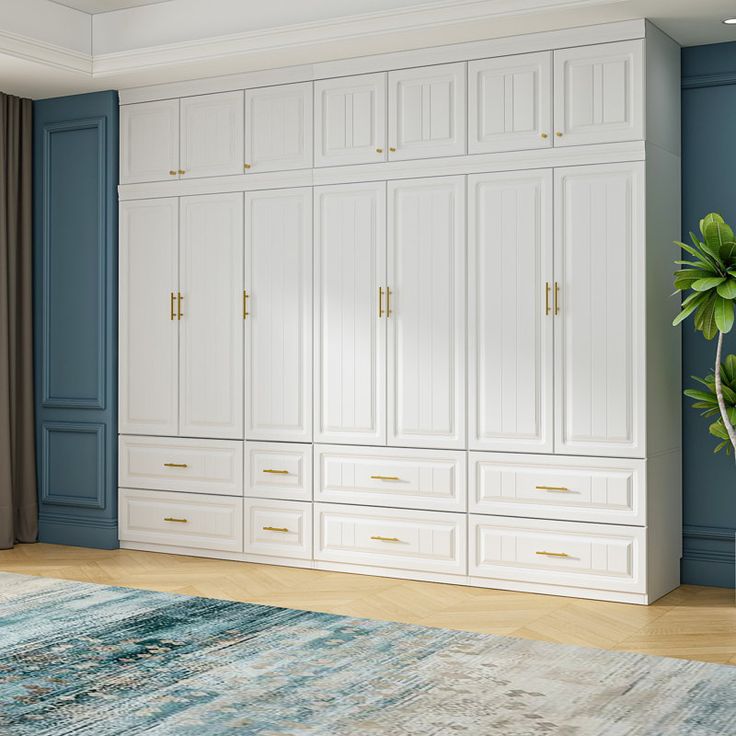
558 133
172 173
379 150
544 135
246 166
392 149
181 171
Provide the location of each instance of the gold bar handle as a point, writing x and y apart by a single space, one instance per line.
380 302
385 539
547 289
385 477
245 305
179 300
557 298
175 465
178 521
171 306
388 302
276 472
558 489
281 529
552 554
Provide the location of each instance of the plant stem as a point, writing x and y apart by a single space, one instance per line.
719 394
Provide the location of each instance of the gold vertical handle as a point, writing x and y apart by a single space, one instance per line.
179 298
547 289
388 302
245 305
380 302
557 298
171 306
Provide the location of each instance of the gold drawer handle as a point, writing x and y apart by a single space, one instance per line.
178 521
552 554
175 465
386 539
276 472
558 489
282 529
385 477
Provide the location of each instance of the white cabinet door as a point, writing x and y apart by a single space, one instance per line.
350 120
426 317
599 93
212 134
211 349
278 327
350 334
149 141
599 325
427 112
149 330
278 128
510 321
510 103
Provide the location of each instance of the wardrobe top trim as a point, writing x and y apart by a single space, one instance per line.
527 43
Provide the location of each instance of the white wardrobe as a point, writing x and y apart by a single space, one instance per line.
409 315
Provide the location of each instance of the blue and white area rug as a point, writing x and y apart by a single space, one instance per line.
90 660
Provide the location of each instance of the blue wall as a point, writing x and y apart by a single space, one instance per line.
75 150
708 184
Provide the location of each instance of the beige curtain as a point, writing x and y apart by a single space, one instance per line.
18 506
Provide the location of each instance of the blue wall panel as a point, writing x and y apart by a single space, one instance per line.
75 312
708 184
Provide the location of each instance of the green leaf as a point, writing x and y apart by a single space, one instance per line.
717 234
686 312
711 217
695 393
707 284
718 430
705 318
723 313
726 289
693 297
728 252
720 446
695 253
729 366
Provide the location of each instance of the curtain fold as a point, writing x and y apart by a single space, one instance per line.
18 503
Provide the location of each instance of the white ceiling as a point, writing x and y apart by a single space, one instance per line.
59 47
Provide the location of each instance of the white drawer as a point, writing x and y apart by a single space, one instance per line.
411 540
278 528
181 519
397 478
278 470
178 464
567 488
571 553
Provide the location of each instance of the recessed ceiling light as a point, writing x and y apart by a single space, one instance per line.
730 21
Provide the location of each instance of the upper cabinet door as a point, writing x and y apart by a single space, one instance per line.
510 320
349 313
350 120
212 135
149 332
278 326
426 312
211 324
599 306
510 103
278 128
599 94
427 112
149 141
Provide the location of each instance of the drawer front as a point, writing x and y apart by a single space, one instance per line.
181 519
411 540
609 491
600 556
278 470
414 479
177 464
278 528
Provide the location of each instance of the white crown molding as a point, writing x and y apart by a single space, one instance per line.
41 52
424 16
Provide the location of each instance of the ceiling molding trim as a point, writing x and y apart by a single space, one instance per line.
41 52
427 15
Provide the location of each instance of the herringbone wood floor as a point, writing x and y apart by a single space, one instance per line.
692 622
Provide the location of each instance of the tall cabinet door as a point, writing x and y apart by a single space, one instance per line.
211 325
349 316
510 320
149 332
426 312
599 329
278 325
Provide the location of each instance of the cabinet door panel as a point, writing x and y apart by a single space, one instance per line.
350 120
211 270
149 141
510 320
278 278
212 134
427 112
599 93
599 331
510 103
426 324
350 336
149 337
278 127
